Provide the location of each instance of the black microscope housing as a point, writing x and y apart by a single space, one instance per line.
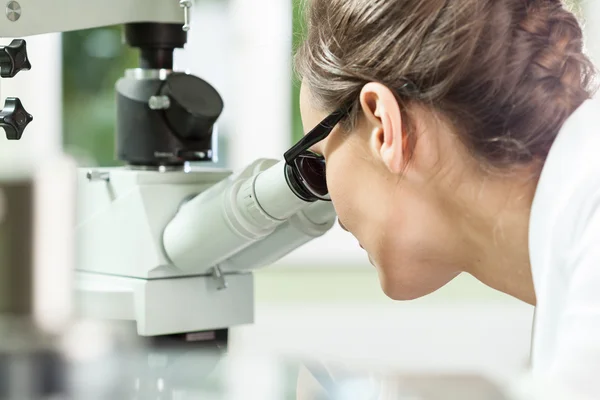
164 118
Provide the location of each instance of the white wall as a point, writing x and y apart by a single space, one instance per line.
243 48
262 42
208 55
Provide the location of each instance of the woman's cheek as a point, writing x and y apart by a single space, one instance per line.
352 187
340 192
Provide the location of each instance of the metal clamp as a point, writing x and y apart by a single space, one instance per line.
220 278
98 176
186 5
159 102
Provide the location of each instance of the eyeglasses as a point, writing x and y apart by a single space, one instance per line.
305 170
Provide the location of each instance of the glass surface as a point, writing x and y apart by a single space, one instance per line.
208 374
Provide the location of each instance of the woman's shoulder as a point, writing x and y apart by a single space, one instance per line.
569 186
564 246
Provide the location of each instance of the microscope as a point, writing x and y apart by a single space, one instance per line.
168 241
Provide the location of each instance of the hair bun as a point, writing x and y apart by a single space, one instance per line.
555 43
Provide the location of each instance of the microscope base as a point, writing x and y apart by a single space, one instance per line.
167 306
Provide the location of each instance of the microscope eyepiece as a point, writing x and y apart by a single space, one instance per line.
231 217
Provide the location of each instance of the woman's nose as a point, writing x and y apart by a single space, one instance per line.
342 225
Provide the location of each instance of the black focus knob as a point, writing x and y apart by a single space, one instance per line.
14 118
194 106
13 58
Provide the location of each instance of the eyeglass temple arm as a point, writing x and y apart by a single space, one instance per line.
305 143
317 134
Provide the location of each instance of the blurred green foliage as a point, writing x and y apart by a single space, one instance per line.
297 36
93 61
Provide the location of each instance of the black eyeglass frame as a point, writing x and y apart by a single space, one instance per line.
294 177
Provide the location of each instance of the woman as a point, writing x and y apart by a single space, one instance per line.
459 136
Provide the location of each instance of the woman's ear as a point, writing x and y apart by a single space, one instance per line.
384 122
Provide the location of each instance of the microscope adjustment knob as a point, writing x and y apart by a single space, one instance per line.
14 118
194 106
13 58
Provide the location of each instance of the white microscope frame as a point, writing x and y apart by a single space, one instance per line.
123 272
33 17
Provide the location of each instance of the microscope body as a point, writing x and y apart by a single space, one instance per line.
168 241
123 272
175 250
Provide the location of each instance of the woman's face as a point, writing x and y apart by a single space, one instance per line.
406 221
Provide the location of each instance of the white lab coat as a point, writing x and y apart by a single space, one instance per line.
564 245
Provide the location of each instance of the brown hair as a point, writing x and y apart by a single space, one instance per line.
505 73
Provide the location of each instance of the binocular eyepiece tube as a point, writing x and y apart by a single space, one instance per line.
222 222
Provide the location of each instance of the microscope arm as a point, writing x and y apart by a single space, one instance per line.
32 17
